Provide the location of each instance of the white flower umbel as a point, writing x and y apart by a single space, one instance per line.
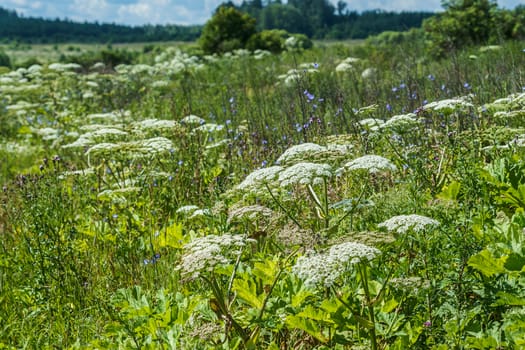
187 209
156 124
192 120
305 174
203 254
449 105
260 177
155 145
299 152
401 123
371 123
371 163
251 213
199 213
323 269
402 224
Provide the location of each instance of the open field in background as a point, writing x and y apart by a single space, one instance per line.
345 197
49 53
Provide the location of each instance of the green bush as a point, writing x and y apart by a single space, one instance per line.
227 30
110 58
298 42
5 61
271 40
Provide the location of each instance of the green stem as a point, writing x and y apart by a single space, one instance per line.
370 306
282 207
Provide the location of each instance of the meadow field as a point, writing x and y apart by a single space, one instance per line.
349 196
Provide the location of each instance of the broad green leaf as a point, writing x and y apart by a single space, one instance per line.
515 262
299 297
487 264
315 314
450 192
170 237
309 326
507 299
389 305
266 271
247 291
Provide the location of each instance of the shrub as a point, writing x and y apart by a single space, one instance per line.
271 40
227 30
5 61
298 42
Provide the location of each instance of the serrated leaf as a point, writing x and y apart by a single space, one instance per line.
315 314
266 271
507 299
247 291
487 264
309 326
299 297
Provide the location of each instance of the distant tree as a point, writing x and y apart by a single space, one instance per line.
228 29
289 18
463 23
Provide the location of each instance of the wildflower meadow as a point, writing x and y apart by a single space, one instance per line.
347 196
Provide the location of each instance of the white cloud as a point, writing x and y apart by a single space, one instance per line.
89 9
138 12
388 5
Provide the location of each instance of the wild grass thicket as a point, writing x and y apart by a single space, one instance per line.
340 197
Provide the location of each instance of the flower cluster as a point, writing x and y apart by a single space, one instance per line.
448 106
259 177
312 152
202 254
401 123
251 212
371 163
401 224
323 269
305 174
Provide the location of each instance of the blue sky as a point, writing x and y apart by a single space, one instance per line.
138 12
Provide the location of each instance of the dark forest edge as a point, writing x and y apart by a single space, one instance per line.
317 19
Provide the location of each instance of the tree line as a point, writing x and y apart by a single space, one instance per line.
319 19
39 30
315 18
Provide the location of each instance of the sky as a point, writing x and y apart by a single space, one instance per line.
182 12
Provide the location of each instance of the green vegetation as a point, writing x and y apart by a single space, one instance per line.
227 30
473 22
338 197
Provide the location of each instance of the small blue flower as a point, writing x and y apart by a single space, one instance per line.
389 107
431 77
316 65
467 86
